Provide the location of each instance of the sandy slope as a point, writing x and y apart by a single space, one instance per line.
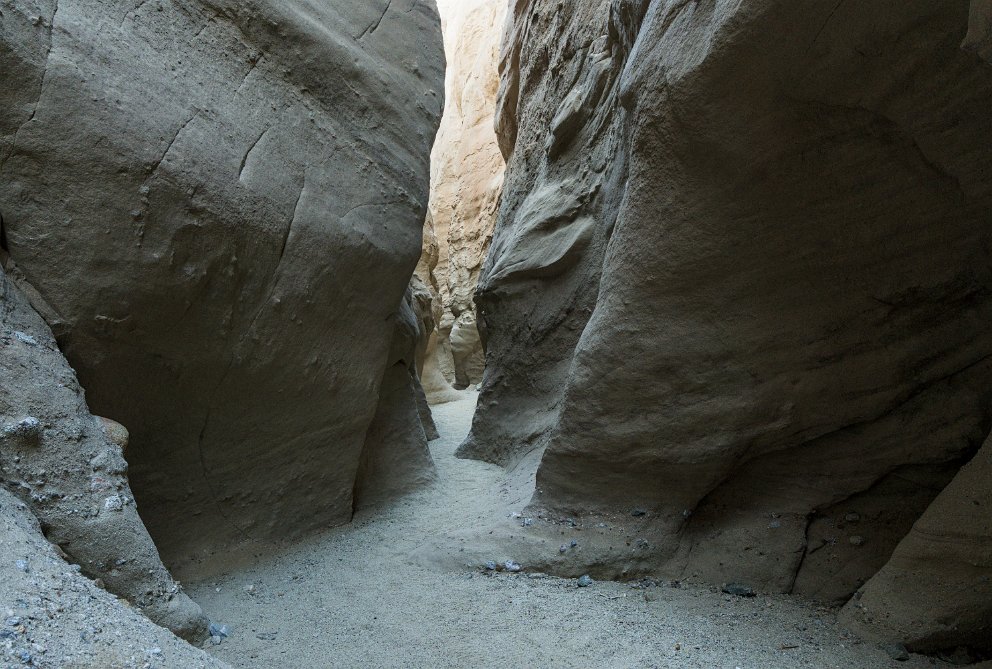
355 597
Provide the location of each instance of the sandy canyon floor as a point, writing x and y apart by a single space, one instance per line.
358 596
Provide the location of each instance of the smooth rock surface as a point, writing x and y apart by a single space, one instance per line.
220 203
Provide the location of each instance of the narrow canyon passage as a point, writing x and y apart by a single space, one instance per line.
366 595
492 333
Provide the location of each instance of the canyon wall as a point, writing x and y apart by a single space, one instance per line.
739 291
466 180
217 206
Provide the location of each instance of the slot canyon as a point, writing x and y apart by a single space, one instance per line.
495 333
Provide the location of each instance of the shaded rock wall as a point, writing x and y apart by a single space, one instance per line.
945 561
740 283
466 181
221 204
68 466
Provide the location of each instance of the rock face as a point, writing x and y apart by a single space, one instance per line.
67 466
220 204
740 282
396 458
466 181
945 561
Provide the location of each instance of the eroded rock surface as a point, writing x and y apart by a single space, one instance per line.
220 202
69 467
739 288
466 181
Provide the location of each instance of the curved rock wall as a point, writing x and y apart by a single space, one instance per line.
221 204
466 181
740 283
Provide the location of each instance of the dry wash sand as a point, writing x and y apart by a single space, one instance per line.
354 597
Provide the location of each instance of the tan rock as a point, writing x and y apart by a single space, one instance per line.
466 182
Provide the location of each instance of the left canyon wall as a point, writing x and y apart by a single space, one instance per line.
217 207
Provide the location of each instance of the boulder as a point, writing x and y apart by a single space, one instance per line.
221 203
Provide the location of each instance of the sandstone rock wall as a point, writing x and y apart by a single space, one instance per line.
466 181
740 283
220 204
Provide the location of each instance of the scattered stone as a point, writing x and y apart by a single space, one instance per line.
857 540
512 566
13 621
250 589
573 543
636 513
526 522
114 503
25 338
897 652
216 639
738 590
563 549
22 565
490 565
27 429
852 517
775 524
266 636
585 581
218 630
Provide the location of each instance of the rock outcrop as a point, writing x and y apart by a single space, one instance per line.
54 617
466 181
740 287
395 458
945 561
69 467
220 204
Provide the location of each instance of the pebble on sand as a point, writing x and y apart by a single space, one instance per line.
738 590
